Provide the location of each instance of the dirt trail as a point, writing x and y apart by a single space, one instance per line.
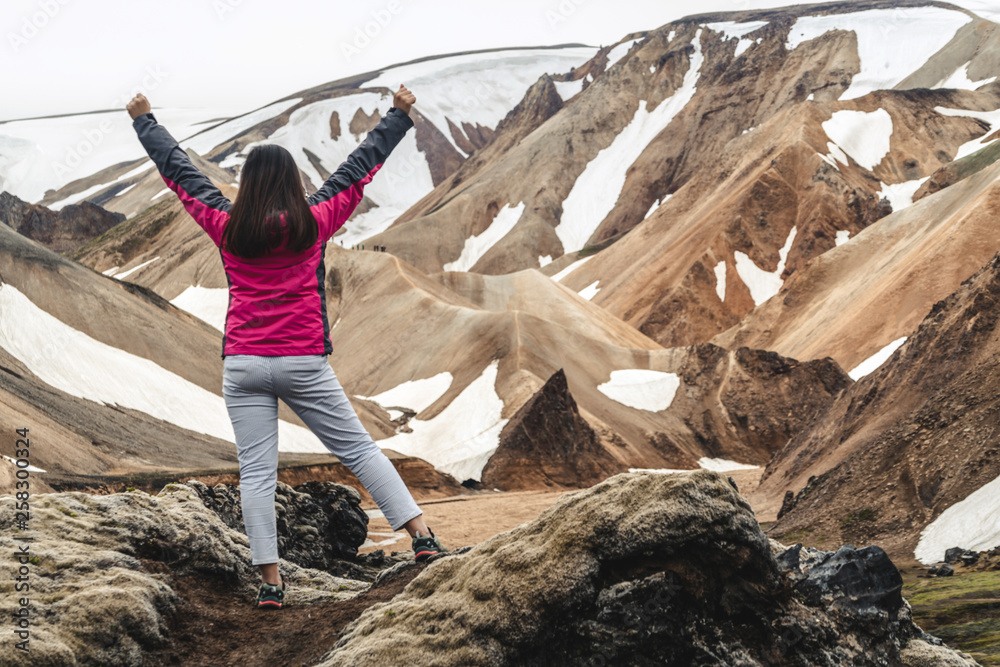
217 625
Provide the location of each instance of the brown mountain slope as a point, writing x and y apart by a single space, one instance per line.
907 441
61 231
855 299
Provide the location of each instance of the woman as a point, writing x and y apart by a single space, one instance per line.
277 337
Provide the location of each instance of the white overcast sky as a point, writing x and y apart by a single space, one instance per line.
68 56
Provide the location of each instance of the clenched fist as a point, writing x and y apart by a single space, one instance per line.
403 99
138 106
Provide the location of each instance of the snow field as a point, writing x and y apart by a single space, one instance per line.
648 390
463 436
416 395
477 88
73 362
892 43
403 179
208 304
973 523
596 190
477 246
960 79
48 153
205 141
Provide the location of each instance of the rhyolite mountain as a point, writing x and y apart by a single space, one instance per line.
670 251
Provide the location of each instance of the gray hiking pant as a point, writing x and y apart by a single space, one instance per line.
251 386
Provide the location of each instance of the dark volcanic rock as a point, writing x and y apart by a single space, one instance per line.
320 525
62 230
960 555
548 443
647 569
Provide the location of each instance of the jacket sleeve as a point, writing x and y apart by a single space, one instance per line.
205 202
333 203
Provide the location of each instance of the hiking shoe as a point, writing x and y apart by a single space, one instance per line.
270 596
425 546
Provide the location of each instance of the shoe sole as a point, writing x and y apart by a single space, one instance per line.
268 605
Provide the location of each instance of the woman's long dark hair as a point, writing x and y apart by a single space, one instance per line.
270 185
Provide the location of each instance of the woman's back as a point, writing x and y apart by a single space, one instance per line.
277 301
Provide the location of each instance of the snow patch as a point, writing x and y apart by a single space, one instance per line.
873 362
416 395
208 304
619 52
843 236
571 268
892 43
44 154
544 260
73 362
476 88
403 179
568 89
900 195
973 523
960 79
80 196
126 274
461 439
29 467
596 190
763 284
835 154
863 136
205 141
991 117
657 204
732 30
477 246
720 280
652 391
590 291
723 465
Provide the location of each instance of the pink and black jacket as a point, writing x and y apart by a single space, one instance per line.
277 303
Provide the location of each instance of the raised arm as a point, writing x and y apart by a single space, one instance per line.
334 202
205 202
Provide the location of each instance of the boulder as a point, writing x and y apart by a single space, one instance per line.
645 568
320 525
101 571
